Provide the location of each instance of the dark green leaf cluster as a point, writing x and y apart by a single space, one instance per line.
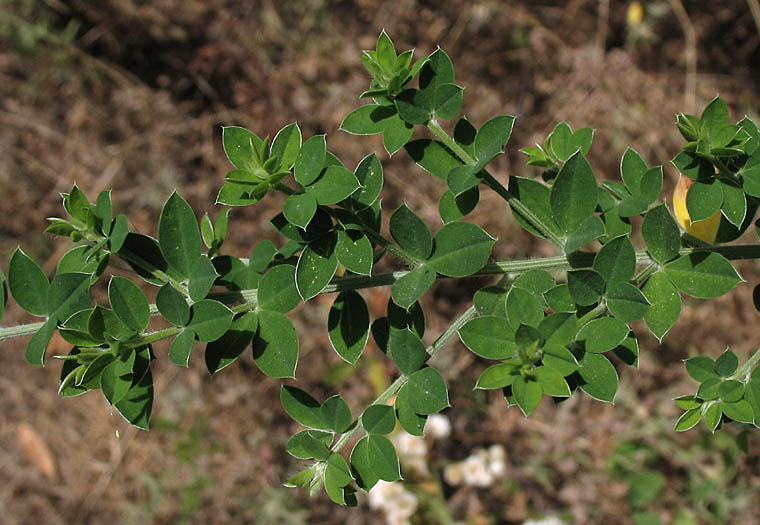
726 393
723 161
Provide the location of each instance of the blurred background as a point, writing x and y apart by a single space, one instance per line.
131 95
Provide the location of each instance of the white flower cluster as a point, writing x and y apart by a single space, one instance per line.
412 451
547 520
480 469
398 504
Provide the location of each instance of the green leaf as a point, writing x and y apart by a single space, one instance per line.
35 348
632 205
173 305
559 299
628 351
128 303
277 289
396 134
410 287
709 389
336 184
626 302
616 260
411 233
382 458
703 199
687 402
701 368
310 444
152 260
490 300
407 350
661 234
693 167
379 419
241 147
574 194
527 394
275 346
236 194
702 275
116 378
361 467
386 52
137 405
452 208
586 286
734 205
665 304
464 178
731 390
632 170
310 160
552 382
560 359
427 391
286 146
558 328
414 106
302 407
598 376
207 230
651 184
28 283
536 282
412 422
536 197
67 295
489 337
498 376
712 416
104 210
740 411
119 232
178 234
337 478
336 414
752 396
412 318
561 141
209 319
688 420
81 259
523 307
460 249
201 278
179 352
354 251
348 325
369 173
602 334
225 350
368 120
591 229
433 157
726 364
299 209
316 266
492 137
715 115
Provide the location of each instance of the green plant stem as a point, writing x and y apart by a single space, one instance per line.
359 282
745 370
494 184
402 380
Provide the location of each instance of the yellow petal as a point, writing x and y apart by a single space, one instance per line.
706 229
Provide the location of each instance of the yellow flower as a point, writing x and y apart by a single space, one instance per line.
705 229
634 14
